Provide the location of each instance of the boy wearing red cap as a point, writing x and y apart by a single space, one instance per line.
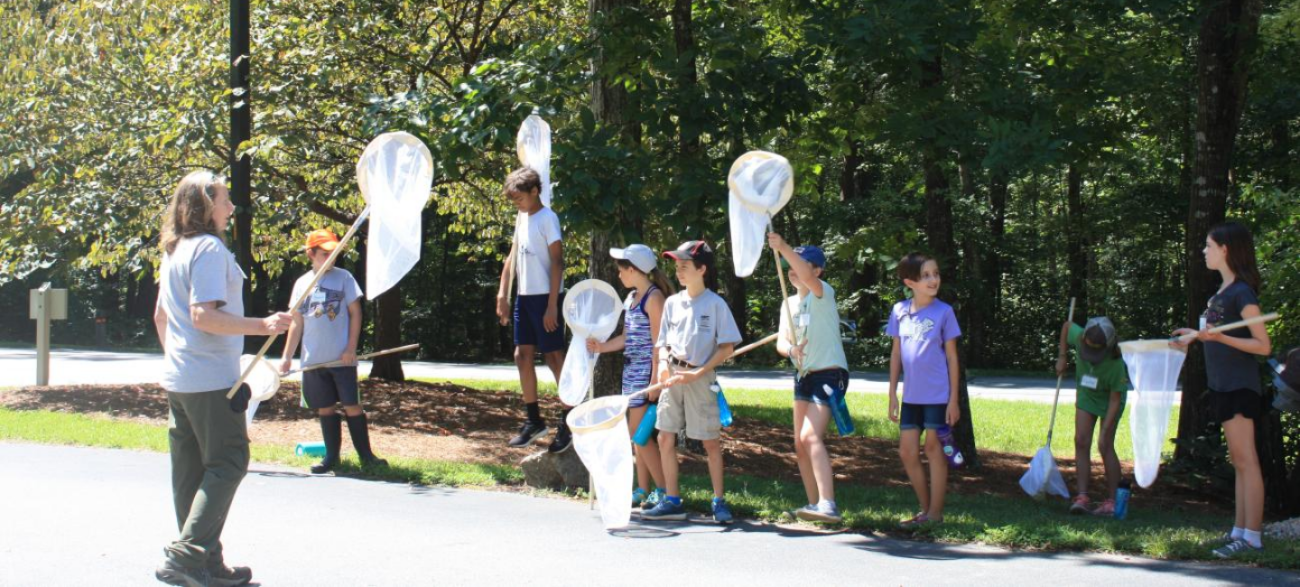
329 325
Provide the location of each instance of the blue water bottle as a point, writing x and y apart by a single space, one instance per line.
647 427
840 411
1121 499
724 410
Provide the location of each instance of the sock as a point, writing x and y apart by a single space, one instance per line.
1237 533
673 499
1252 538
534 412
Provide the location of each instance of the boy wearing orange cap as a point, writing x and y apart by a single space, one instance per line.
329 325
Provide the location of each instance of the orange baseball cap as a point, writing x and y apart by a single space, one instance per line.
322 238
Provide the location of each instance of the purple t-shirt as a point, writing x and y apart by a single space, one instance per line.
921 336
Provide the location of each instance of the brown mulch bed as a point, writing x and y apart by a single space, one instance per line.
449 422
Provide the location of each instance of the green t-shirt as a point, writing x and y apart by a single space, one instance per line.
818 322
1109 376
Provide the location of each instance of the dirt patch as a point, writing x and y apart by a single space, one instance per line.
450 422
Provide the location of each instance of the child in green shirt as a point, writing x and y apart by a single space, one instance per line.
1101 390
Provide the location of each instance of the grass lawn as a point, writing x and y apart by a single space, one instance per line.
1000 425
1019 523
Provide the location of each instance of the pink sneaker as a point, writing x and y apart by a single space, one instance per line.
1107 508
1081 504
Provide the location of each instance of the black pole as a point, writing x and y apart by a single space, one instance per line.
241 129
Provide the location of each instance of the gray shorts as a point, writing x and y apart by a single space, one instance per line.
692 407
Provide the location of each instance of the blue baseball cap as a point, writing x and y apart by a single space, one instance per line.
812 254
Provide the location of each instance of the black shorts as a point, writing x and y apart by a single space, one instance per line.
322 388
530 312
1225 405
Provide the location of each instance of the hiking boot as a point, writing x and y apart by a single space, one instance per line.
1081 504
1107 508
721 512
639 496
666 510
562 441
1235 548
652 500
223 576
529 433
825 512
173 573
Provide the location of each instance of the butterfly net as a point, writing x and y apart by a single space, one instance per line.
1153 367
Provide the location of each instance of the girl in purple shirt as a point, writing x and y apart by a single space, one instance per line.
924 331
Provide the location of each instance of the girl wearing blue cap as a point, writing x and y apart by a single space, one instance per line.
814 343
643 309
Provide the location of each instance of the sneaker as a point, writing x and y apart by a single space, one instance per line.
721 512
823 512
916 522
652 500
373 462
172 573
562 441
639 496
1081 504
223 576
529 433
1220 540
666 510
1235 548
1107 508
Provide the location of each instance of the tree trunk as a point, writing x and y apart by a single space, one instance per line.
1227 30
1075 246
388 334
855 186
939 236
997 230
610 104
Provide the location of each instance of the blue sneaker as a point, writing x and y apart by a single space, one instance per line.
721 513
666 510
652 500
638 497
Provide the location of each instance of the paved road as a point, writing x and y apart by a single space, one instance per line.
18 368
82 516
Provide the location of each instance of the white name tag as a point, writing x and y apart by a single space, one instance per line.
318 296
1203 323
804 320
1089 381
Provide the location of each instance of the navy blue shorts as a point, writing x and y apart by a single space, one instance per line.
322 388
928 416
529 331
812 387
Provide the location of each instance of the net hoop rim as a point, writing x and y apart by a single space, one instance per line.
787 191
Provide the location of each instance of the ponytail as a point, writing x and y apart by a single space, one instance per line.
660 281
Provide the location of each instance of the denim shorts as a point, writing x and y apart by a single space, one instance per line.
812 386
929 416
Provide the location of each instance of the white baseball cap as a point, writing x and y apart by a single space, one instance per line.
641 256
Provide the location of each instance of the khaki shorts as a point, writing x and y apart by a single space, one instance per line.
692 407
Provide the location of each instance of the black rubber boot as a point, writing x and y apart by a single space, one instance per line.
331 428
360 432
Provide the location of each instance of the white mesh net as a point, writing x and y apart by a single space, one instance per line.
263 381
533 144
592 310
1153 367
395 174
759 185
600 437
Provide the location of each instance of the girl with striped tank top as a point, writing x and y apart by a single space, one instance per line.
642 312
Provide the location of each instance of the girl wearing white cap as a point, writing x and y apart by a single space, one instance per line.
638 271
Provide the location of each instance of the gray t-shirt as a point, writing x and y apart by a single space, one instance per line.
325 317
692 328
200 270
1228 369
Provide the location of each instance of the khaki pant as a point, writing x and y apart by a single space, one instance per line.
209 451
692 407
